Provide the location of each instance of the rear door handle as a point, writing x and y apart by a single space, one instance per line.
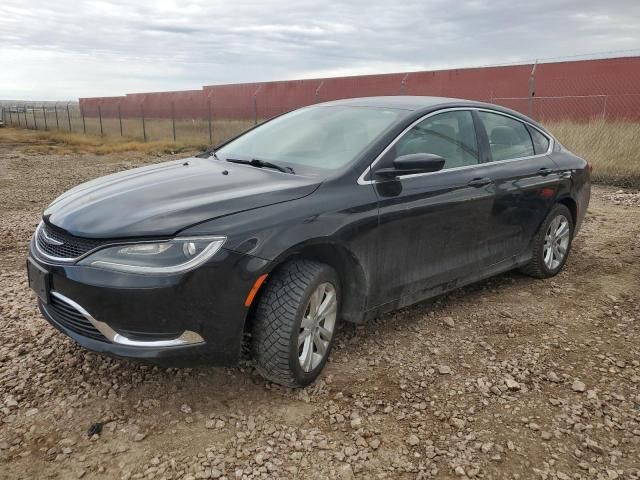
480 182
544 171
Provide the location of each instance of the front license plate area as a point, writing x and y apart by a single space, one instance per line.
39 280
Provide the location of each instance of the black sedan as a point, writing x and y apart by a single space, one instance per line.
339 211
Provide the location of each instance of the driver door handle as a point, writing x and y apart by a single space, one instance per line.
544 171
480 182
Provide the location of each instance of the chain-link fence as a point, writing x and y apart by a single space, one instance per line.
110 121
578 108
43 116
208 124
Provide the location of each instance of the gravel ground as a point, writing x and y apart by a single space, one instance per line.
510 378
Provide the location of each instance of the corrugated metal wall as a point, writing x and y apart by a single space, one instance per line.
578 90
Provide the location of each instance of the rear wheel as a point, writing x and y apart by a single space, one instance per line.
552 244
295 322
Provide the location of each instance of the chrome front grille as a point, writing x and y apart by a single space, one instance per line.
64 312
58 244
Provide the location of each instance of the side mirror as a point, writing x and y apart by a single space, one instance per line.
412 164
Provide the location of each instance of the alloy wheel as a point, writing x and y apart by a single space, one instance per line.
317 326
556 242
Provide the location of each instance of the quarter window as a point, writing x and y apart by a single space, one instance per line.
450 135
540 142
508 138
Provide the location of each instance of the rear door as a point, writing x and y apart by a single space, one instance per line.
526 180
432 226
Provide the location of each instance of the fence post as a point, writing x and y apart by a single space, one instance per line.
26 122
532 88
44 115
33 113
318 90
255 110
403 84
120 119
84 124
11 116
69 117
18 115
255 105
210 124
100 118
144 128
55 109
173 119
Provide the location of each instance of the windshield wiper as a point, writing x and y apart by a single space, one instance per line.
256 162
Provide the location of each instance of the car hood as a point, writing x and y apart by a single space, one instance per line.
162 199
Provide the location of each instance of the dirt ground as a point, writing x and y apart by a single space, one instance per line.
509 378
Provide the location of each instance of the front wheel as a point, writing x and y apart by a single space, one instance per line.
552 244
295 322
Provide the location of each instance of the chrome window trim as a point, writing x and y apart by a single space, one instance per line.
187 337
367 171
542 132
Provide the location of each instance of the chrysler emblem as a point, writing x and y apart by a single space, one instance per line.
51 241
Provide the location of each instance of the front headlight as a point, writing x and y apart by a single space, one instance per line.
170 256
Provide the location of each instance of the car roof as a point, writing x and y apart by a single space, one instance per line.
422 104
404 102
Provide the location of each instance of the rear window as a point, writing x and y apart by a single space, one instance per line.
508 138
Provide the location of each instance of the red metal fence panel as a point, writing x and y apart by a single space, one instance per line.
577 90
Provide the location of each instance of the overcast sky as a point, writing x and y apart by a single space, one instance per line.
58 50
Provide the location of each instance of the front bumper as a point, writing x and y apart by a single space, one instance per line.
197 317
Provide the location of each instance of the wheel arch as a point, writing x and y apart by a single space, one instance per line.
353 279
572 205
565 200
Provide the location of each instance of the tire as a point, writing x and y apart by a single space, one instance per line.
284 315
541 265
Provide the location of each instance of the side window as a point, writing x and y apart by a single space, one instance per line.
508 138
540 142
450 135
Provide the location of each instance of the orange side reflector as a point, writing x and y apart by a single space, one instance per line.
254 290
547 192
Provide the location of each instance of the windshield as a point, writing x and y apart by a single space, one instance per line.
318 137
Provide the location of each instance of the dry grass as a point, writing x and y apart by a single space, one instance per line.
61 143
612 147
191 132
191 135
187 132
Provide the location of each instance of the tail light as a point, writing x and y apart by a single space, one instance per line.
590 167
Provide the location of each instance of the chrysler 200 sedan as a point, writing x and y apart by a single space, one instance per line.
339 211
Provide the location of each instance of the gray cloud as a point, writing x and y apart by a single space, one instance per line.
66 49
